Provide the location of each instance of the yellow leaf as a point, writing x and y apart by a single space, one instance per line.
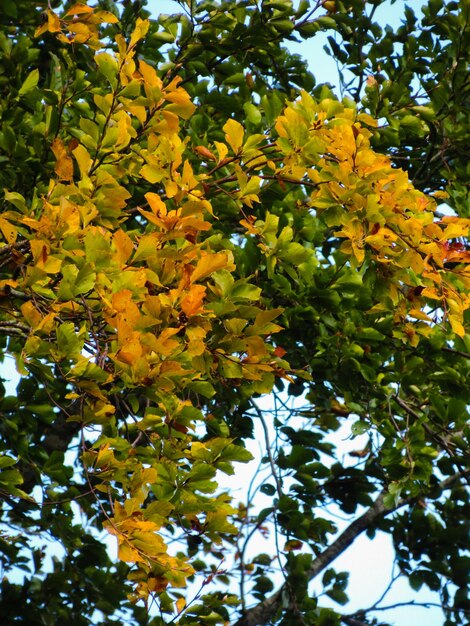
53 22
179 98
418 314
440 195
69 216
105 17
140 112
31 315
79 9
456 325
456 230
8 230
180 604
222 150
163 344
156 203
128 554
152 174
211 263
157 584
124 246
64 164
167 125
139 32
125 131
79 33
124 305
234 132
83 159
171 188
149 75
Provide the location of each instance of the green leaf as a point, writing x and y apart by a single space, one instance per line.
253 113
30 83
108 67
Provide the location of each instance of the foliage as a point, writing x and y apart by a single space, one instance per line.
189 223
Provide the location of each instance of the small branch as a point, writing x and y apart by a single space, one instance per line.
466 355
436 437
14 328
426 605
268 448
352 621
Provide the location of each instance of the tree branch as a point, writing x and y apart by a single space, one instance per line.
263 612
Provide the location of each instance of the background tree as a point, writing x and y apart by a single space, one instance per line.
188 222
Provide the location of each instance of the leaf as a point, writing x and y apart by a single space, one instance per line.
64 164
83 159
17 200
234 133
210 263
253 113
191 304
205 153
9 232
7 461
108 67
30 83
79 9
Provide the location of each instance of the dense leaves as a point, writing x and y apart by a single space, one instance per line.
188 223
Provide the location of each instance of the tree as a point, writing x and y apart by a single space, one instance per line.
190 222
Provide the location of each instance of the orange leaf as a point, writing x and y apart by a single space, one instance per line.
205 153
191 304
156 203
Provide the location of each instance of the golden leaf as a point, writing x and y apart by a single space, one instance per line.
128 554
124 246
191 304
149 75
83 159
78 9
8 230
234 132
156 203
64 164
210 263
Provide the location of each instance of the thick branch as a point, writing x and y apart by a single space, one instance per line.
348 536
